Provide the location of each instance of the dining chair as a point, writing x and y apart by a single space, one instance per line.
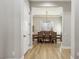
40 37
54 36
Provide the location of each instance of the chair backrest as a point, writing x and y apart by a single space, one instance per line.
53 34
40 34
47 34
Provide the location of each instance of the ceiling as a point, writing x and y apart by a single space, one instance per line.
65 4
49 0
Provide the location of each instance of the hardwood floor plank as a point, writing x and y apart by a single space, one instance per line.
47 51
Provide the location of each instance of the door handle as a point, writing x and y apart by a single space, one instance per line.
24 35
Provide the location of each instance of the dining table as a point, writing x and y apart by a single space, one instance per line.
35 36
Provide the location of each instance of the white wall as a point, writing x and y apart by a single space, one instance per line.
3 29
11 13
10 29
42 11
38 22
76 15
67 29
73 30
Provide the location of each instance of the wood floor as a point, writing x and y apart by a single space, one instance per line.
47 51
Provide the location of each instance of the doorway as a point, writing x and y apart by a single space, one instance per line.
50 28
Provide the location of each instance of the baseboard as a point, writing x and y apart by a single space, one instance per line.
26 52
66 47
22 57
72 57
28 49
12 58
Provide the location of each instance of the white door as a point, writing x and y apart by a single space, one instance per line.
26 29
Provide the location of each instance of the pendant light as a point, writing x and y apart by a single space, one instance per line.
46 15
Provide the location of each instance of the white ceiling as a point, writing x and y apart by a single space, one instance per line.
49 0
65 4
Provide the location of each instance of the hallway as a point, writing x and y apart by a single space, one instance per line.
50 22
47 51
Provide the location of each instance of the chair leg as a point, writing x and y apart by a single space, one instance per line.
61 40
55 40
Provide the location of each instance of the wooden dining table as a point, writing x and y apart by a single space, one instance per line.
36 37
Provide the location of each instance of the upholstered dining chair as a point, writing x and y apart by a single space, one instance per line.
47 36
40 37
54 36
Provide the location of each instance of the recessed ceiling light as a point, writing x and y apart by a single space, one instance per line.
47 4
